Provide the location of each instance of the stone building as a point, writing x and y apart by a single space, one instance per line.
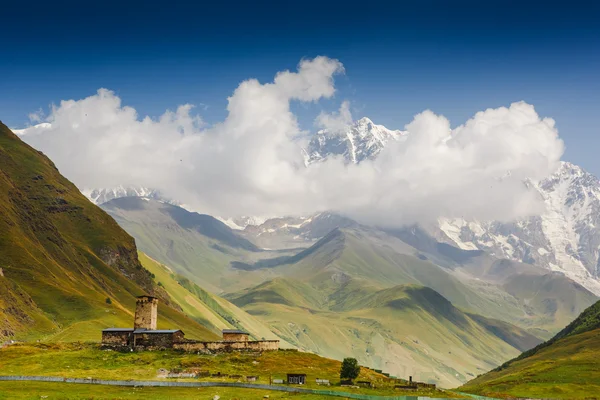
146 313
145 336
235 335
144 333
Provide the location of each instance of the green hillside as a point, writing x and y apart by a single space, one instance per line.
209 310
405 330
68 269
539 301
193 245
567 366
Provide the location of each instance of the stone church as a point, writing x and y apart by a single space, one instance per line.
145 336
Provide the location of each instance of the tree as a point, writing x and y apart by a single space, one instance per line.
108 300
350 369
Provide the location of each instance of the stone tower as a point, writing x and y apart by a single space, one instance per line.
146 308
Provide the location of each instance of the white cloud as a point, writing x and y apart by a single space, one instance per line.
337 121
250 164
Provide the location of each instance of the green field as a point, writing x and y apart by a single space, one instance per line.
76 360
50 391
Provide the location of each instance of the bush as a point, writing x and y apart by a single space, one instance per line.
350 369
108 300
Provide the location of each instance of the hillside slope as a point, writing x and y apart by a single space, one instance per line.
405 330
566 366
211 311
192 244
68 269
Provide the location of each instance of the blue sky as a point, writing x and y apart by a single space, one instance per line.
400 57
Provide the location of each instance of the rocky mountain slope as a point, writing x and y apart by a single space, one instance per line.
565 238
67 267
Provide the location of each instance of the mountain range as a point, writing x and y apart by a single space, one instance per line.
565 238
330 268
399 297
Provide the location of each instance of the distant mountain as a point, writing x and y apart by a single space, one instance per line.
291 232
101 196
67 269
565 238
405 330
523 294
191 243
566 366
357 142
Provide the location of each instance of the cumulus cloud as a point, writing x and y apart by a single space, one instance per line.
335 122
251 164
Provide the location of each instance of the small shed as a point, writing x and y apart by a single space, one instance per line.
235 335
296 379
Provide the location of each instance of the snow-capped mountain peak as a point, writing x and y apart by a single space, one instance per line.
564 238
357 142
99 196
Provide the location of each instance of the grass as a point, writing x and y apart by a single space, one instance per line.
50 391
80 360
567 369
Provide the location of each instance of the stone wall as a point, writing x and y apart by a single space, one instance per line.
257 345
157 340
116 338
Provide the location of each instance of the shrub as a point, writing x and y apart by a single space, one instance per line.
108 300
350 369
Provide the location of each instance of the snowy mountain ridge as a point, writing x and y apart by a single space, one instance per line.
565 238
357 142
99 196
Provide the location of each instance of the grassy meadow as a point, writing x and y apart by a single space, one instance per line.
46 390
569 369
82 360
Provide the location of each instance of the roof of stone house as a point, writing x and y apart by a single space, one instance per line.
157 331
235 331
118 330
